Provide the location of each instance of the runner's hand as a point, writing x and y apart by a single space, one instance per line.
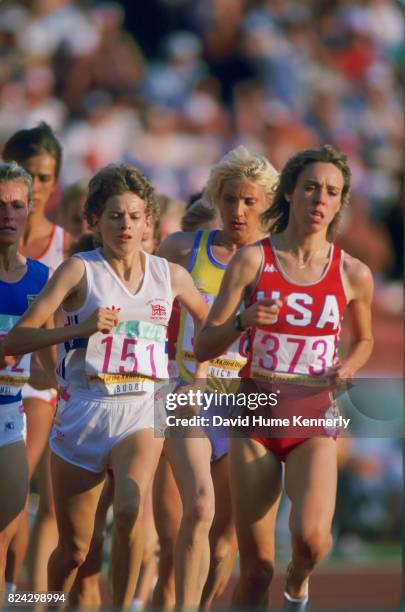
263 312
102 320
6 360
341 375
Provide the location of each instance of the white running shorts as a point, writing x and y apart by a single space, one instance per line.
47 395
87 429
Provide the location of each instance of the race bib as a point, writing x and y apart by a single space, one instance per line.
292 355
227 365
14 376
129 360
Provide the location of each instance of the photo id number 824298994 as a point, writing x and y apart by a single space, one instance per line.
32 598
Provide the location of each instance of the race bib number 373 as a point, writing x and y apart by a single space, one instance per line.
293 355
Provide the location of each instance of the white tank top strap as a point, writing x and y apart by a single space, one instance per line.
54 254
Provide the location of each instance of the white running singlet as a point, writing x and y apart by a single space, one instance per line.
134 355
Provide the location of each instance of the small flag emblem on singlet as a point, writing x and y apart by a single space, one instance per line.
158 311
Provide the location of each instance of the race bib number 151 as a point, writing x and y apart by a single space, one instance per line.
133 353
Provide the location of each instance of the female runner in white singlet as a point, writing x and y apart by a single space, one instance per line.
296 285
117 303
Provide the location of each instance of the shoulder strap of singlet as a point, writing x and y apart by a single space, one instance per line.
210 239
66 242
267 249
37 266
194 251
336 268
337 255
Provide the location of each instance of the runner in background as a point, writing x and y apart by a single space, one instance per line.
167 506
171 212
39 152
200 215
71 207
21 279
240 187
116 303
296 286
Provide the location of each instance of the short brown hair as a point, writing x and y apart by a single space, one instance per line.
34 141
275 219
116 179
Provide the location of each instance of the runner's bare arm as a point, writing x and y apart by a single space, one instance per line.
359 287
47 356
186 292
177 248
28 334
44 376
219 331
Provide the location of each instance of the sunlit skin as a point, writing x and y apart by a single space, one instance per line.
241 203
148 238
38 230
314 203
13 215
34 242
303 249
42 168
121 227
14 472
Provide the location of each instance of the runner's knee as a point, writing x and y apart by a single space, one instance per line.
149 550
126 514
221 550
257 574
201 510
73 556
312 543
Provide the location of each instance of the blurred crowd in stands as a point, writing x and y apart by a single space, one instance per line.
274 75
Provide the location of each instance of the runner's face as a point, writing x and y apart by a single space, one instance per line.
317 197
13 211
122 223
42 168
241 203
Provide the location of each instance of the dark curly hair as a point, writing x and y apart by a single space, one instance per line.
116 179
34 141
275 219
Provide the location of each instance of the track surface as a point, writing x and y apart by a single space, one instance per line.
343 589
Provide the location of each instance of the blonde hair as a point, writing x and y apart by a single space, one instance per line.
239 164
11 171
